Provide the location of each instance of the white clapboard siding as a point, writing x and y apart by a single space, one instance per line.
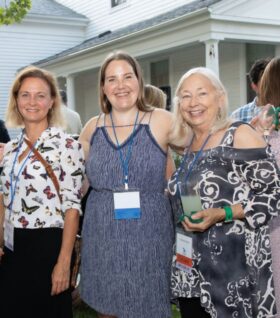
103 18
25 43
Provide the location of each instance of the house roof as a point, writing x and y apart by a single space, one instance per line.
53 8
108 36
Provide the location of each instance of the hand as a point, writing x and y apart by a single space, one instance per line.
60 278
1 253
264 121
209 216
2 146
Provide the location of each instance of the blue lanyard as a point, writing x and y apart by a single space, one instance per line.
194 160
126 161
13 188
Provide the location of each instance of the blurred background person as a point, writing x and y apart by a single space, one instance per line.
269 93
42 177
128 225
4 138
247 112
154 96
72 118
222 264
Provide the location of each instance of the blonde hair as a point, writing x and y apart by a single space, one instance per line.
105 104
154 96
180 128
13 116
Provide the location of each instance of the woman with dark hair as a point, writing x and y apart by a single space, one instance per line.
42 177
128 226
269 93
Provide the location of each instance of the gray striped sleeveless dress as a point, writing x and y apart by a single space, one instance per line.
126 263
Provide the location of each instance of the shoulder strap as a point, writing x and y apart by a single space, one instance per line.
47 166
228 138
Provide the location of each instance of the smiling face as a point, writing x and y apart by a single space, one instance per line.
34 101
199 102
121 85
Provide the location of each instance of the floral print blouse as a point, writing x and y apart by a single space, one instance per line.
231 270
30 197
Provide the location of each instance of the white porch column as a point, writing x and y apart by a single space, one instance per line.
70 90
277 50
212 55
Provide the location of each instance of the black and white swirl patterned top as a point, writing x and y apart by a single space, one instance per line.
231 261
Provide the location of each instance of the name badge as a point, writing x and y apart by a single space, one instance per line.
9 235
127 205
184 243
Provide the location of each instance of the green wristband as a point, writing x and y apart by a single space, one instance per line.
229 214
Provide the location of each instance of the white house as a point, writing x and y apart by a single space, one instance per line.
167 37
48 29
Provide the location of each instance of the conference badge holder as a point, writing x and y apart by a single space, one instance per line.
127 204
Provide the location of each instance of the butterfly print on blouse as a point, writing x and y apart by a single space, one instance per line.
55 136
77 172
27 175
48 192
36 167
62 174
29 189
43 149
7 185
38 200
69 143
28 209
48 211
23 221
44 175
38 223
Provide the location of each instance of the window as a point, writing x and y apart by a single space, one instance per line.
160 78
115 3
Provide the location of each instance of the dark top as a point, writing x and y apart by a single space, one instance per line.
4 136
231 261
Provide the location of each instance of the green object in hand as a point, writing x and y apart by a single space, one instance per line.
186 215
276 120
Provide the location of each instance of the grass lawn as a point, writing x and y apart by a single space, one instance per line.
83 311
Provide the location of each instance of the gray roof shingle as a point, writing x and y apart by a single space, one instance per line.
51 7
109 36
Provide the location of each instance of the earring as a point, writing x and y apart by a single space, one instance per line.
219 114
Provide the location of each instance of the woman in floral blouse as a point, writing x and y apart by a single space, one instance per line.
40 220
222 263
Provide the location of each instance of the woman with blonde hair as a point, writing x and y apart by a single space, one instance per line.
42 177
225 192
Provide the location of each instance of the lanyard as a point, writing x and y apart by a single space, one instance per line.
13 188
194 160
128 156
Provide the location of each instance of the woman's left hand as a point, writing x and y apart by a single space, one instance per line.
209 216
60 278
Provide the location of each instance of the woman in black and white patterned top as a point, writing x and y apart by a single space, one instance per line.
40 221
227 271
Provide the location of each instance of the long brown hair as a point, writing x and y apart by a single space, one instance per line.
105 104
269 91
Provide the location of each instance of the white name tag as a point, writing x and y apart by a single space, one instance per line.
184 243
9 235
127 205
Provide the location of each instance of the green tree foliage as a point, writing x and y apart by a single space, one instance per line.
14 11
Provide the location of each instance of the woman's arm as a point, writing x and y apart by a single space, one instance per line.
261 175
61 271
